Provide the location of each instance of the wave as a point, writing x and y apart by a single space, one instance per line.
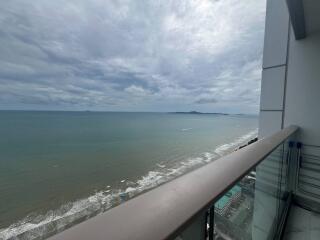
225 148
160 165
42 226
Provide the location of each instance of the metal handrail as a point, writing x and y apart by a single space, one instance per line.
166 210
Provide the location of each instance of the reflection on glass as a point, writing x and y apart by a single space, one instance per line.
252 208
233 212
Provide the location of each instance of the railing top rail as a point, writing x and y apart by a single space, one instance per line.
164 211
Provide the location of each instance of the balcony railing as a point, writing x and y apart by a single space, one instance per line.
239 196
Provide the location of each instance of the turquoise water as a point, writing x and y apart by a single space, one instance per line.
65 166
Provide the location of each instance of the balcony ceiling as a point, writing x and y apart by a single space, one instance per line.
305 17
312 16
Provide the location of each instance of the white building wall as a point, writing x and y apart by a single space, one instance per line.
290 88
302 104
274 67
276 34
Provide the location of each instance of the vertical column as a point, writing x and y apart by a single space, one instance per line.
274 68
272 104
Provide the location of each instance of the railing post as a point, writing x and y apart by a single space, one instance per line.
211 223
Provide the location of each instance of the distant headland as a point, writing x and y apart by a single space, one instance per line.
196 112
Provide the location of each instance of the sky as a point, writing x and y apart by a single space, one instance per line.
131 55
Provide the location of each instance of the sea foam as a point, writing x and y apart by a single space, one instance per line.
225 148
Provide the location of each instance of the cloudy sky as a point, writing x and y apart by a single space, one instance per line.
131 55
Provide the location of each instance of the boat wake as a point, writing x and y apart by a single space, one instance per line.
41 227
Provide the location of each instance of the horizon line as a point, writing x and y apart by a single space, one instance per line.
106 111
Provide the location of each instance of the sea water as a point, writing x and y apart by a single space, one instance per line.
60 168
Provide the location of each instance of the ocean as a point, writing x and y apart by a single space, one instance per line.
60 168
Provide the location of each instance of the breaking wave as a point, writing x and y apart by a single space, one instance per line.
225 148
70 214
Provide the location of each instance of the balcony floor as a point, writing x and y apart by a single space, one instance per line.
302 224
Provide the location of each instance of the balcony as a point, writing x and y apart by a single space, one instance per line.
247 194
